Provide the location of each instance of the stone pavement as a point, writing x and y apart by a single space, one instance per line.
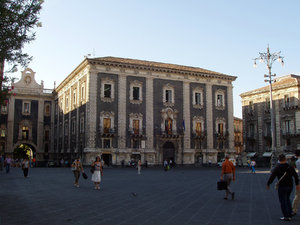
177 197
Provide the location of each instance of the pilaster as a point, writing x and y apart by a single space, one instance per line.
186 115
91 110
40 128
209 117
122 112
230 118
149 113
277 124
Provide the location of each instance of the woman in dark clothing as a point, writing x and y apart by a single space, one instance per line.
284 174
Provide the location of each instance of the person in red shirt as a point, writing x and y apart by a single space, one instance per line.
228 174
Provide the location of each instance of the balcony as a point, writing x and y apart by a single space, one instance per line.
222 136
288 106
107 132
199 135
288 134
137 133
169 134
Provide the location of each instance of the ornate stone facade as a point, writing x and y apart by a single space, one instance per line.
126 109
257 122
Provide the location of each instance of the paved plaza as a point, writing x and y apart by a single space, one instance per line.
177 197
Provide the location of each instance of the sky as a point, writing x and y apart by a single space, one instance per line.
220 35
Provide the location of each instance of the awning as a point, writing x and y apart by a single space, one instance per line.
267 154
288 156
251 154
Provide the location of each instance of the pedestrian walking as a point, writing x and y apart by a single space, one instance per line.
76 168
98 172
296 200
228 175
25 167
284 174
7 163
166 165
139 166
252 165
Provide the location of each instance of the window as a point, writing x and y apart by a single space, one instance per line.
3 133
198 98
47 109
135 144
251 130
25 133
168 96
286 101
26 108
73 126
74 98
251 107
107 90
221 129
136 126
81 124
198 128
4 108
287 125
219 100
106 125
66 129
168 126
46 135
67 102
106 143
268 104
83 91
136 93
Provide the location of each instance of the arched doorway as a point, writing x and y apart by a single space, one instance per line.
169 151
23 151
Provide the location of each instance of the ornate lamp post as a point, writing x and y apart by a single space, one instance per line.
269 59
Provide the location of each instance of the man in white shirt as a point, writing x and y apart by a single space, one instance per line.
297 193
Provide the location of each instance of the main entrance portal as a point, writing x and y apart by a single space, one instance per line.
169 151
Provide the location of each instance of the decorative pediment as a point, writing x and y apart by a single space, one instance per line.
27 83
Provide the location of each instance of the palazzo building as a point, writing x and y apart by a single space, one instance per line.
257 118
126 109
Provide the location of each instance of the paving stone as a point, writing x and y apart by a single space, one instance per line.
180 196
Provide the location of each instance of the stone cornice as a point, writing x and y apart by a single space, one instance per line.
158 67
274 88
77 70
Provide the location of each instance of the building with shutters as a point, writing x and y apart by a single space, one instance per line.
257 123
126 109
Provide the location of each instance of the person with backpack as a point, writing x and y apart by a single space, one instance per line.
296 200
284 174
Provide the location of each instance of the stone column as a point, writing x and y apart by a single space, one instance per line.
209 118
149 113
260 110
122 112
51 147
70 122
10 125
186 118
91 111
230 118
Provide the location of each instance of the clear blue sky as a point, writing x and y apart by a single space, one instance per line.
222 36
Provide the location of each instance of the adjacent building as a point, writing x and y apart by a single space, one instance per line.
125 109
238 135
257 122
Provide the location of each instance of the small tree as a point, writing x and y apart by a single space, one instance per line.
17 20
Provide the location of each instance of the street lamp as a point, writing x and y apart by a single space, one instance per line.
269 59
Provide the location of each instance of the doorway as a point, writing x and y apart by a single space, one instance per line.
107 159
169 152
